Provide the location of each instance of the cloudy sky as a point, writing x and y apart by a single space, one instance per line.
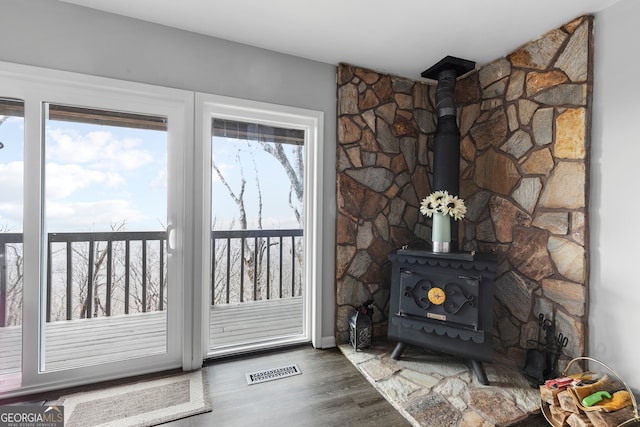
98 177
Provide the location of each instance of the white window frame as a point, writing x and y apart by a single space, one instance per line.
209 106
189 205
36 86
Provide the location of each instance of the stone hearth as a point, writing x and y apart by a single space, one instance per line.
431 389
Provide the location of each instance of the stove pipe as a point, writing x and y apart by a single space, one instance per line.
446 150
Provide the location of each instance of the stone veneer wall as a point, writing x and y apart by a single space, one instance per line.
525 123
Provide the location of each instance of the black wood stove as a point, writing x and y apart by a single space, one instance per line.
443 302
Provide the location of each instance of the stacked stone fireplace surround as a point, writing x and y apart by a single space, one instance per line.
525 126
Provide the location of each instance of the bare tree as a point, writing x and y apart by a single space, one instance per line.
98 274
13 273
87 271
294 168
295 172
239 197
255 252
148 280
14 276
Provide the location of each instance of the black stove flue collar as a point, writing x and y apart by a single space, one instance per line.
460 66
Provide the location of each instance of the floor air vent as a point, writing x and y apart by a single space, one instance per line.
272 374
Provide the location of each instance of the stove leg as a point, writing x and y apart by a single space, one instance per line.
478 369
397 351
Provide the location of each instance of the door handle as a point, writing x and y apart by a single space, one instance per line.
171 239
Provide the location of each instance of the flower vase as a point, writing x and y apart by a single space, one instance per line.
441 232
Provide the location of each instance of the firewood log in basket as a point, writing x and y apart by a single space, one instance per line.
563 408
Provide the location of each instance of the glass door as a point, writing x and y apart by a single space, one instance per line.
95 230
260 209
106 221
257 230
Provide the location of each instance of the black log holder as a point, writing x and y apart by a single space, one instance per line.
544 353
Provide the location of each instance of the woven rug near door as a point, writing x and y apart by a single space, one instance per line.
141 404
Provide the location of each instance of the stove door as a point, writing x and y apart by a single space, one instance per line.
440 296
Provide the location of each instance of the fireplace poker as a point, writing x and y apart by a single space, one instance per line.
560 344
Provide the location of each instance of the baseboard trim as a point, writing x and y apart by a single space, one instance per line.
328 342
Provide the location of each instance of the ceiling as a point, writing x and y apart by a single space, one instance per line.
401 37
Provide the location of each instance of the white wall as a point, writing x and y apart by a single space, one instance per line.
615 203
62 36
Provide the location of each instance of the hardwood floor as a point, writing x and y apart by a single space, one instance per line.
330 392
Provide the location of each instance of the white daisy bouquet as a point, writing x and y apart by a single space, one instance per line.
443 202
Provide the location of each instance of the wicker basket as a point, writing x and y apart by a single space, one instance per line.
573 369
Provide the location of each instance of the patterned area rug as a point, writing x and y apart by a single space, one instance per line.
145 403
